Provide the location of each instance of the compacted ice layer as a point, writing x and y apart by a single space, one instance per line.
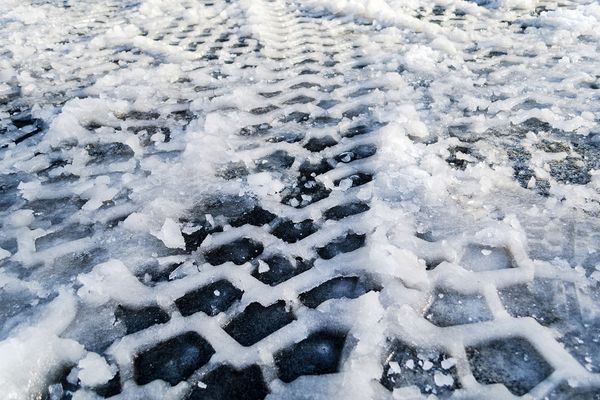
293 200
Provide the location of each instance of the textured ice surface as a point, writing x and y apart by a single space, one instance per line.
313 199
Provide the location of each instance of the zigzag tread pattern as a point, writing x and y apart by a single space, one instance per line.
262 134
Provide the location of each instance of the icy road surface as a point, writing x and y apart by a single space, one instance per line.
376 199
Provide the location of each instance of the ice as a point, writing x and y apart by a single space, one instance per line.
443 380
94 370
299 200
111 280
448 363
262 267
170 234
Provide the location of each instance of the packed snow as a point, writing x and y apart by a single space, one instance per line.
307 199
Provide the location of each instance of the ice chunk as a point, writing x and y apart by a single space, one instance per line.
94 370
4 253
170 235
441 379
112 280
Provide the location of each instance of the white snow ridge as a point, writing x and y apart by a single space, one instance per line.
311 199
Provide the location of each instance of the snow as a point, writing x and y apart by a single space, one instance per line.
35 350
163 123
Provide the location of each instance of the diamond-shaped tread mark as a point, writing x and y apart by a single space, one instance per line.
357 179
228 383
286 136
162 274
257 217
309 170
212 299
318 354
363 91
345 210
238 211
357 153
325 121
194 239
547 300
349 287
291 232
228 205
566 391
257 322
268 95
428 369
512 362
362 129
318 144
344 244
306 191
357 111
327 104
173 360
304 85
452 308
277 161
101 153
296 116
264 110
232 170
255 130
299 100
139 319
238 252
280 269
139 116
486 258
306 61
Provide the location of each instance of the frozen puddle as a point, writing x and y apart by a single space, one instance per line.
299 200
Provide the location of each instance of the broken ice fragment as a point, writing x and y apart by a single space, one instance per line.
94 370
443 380
448 363
170 235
